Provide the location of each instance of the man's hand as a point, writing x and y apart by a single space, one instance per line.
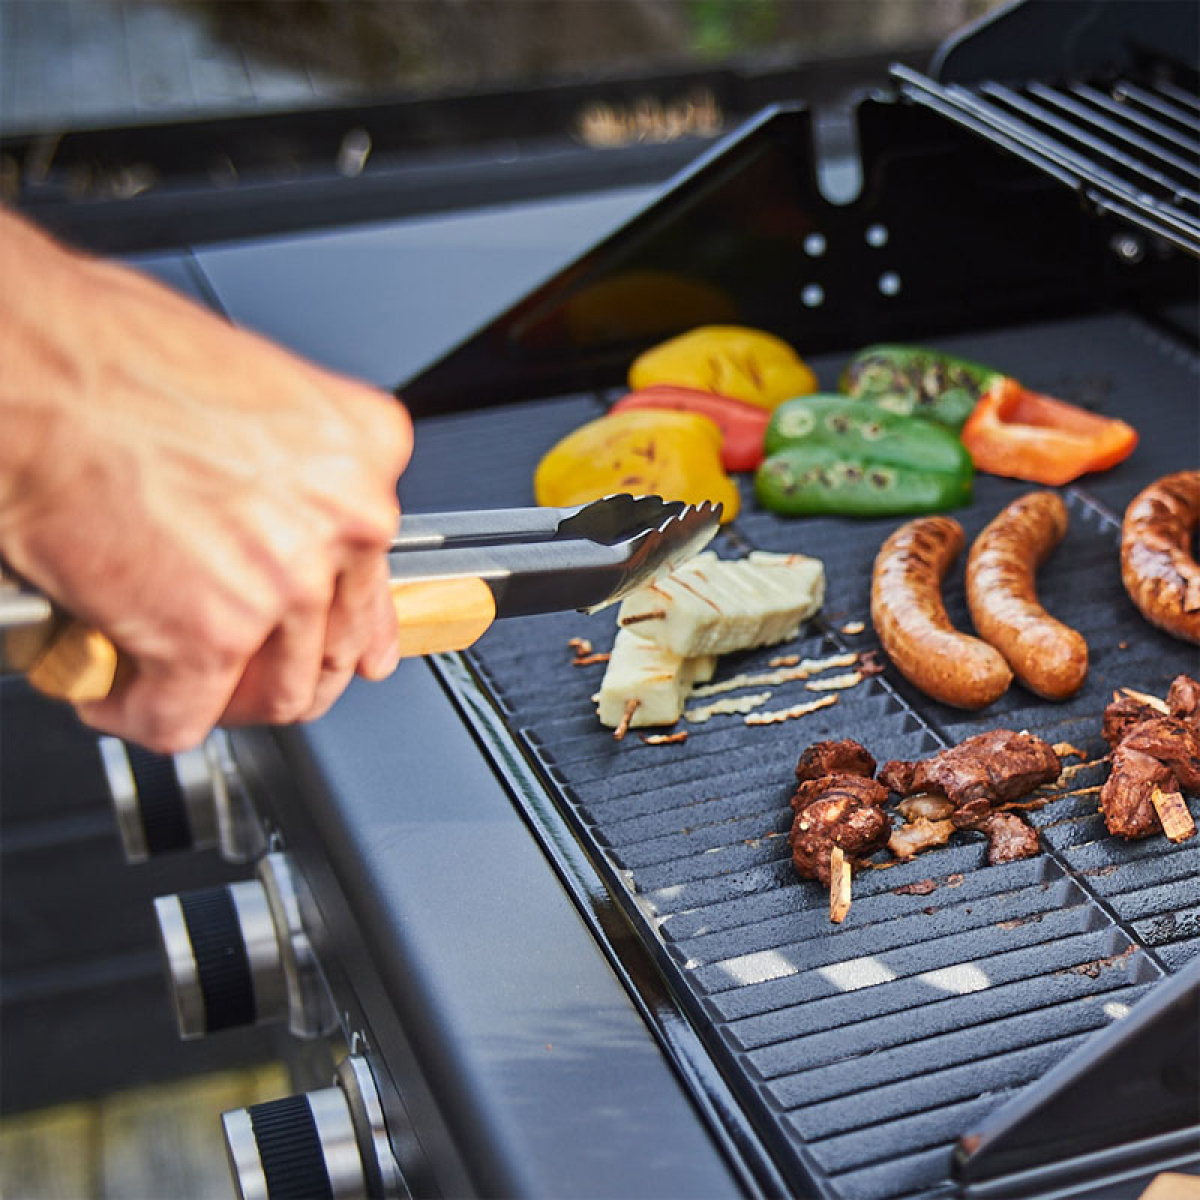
217 507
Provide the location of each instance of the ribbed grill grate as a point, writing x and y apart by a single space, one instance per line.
863 1051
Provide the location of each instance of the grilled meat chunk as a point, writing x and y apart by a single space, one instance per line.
1184 700
1172 741
844 757
1123 714
836 810
1009 836
1126 798
994 767
1150 751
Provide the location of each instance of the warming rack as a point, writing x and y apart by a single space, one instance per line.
1129 149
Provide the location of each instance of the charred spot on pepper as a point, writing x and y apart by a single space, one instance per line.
795 422
838 423
933 381
959 377
902 405
881 478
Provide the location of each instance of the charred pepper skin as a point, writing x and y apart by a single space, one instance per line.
830 455
914 381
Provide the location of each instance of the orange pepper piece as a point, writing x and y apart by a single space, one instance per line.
1025 435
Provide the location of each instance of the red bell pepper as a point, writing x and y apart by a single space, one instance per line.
1025 435
743 426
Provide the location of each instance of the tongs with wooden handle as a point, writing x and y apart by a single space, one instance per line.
452 575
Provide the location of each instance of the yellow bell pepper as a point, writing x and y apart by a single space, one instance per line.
647 452
727 360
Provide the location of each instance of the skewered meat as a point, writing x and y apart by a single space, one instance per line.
1123 714
995 767
844 757
1154 752
1126 800
1172 741
1184 699
836 810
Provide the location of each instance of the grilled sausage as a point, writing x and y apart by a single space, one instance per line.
1048 657
911 620
1157 567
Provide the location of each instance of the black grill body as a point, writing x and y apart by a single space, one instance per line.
587 968
849 1062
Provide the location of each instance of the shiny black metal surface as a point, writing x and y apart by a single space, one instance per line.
516 1064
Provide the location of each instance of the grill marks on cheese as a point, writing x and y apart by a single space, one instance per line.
657 679
710 606
672 630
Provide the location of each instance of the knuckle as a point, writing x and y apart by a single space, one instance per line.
285 707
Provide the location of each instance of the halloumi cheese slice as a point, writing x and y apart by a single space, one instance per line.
658 680
714 606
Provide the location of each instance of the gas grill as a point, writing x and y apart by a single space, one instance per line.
558 964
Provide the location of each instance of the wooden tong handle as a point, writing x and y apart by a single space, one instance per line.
68 660
442 614
78 664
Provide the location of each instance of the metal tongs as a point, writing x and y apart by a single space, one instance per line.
452 575
537 560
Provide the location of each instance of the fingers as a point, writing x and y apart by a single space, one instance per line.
280 680
167 708
361 634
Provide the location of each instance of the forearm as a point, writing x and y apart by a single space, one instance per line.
38 372
216 506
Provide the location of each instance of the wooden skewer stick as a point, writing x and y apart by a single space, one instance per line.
839 885
1153 701
1173 812
623 728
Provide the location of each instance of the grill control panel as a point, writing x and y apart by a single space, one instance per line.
330 1143
190 801
239 955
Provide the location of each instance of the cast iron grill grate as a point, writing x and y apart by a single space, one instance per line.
862 1052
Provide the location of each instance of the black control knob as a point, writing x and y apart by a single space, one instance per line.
190 801
330 1144
162 803
239 955
222 957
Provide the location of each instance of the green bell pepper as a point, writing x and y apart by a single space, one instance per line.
835 455
918 382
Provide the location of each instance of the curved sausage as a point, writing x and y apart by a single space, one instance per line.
911 620
1048 657
1157 567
